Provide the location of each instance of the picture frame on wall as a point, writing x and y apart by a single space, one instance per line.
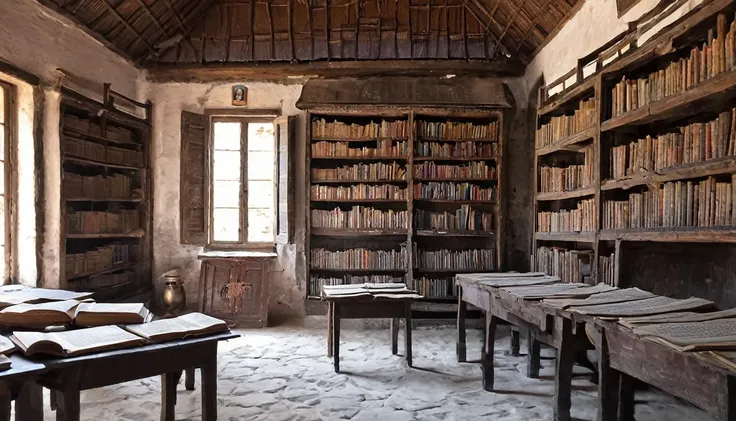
240 95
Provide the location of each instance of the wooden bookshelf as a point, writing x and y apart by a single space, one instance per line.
704 103
416 235
105 231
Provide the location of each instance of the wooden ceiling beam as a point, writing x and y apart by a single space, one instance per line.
153 17
478 10
535 19
354 68
129 26
176 16
570 13
512 20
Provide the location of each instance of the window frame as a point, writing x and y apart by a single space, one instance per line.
9 142
244 118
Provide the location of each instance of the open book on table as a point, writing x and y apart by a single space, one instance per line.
192 324
36 316
75 342
100 314
17 294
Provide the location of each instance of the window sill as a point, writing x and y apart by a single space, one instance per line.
221 254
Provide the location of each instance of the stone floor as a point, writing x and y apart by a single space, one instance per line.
283 374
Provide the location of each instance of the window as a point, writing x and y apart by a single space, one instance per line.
242 176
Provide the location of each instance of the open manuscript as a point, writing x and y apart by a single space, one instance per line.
55 313
192 324
75 342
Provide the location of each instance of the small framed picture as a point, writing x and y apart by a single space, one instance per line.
240 95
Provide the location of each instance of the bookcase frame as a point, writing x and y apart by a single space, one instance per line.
108 114
411 114
715 94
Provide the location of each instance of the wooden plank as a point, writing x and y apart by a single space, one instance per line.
719 166
572 143
572 194
583 237
563 98
667 235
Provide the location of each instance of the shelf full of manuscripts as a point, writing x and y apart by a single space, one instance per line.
105 200
384 191
646 152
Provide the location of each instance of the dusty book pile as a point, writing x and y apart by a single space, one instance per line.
452 260
569 265
101 258
582 218
435 287
358 191
456 150
605 269
696 142
453 130
465 218
360 217
565 126
384 128
359 258
384 148
115 186
91 222
477 170
317 282
560 179
707 203
453 191
716 56
361 172
387 290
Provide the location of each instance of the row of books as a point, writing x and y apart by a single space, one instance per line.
435 287
706 203
384 148
85 126
363 172
716 56
384 128
453 130
456 150
101 153
91 222
317 282
101 258
358 258
569 265
107 282
605 269
460 260
696 142
115 186
453 191
360 217
358 191
582 218
562 127
477 170
465 218
553 179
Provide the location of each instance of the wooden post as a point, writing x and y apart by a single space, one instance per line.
394 336
330 327
461 347
532 354
5 401
626 398
563 373
168 396
727 410
407 332
336 336
515 342
608 381
29 404
209 387
189 379
486 360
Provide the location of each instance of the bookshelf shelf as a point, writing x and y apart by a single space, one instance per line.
434 158
453 233
104 271
398 181
458 202
586 237
561 99
572 143
573 194
357 232
673 234
88 136
89 162
361 140
359 271
92 236
725 165
709 95
360 200
451 270
436 139
96 199
459 179
360 158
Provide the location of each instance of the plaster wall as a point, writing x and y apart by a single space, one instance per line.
170 100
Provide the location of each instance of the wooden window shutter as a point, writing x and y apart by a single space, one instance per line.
285 142
193 183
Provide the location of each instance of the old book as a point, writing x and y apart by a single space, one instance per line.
584 292
17 294
75 342
679 317
538 292
100 314
192 324
693 336
649 306
6 345
34 316
615 296
5 363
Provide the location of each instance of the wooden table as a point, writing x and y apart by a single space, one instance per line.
18 383
66 377
545 325
370 308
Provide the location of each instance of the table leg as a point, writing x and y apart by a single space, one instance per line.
29 403
407 332
330 321
336 336
462 310
532 355
626 398
563 373
68 405
52 401
209 388
486 360
515 342
608 381
168 395
189 379
394 336
5 400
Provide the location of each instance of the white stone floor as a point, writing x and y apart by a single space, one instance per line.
283 374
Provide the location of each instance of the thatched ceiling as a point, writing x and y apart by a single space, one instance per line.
154 33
